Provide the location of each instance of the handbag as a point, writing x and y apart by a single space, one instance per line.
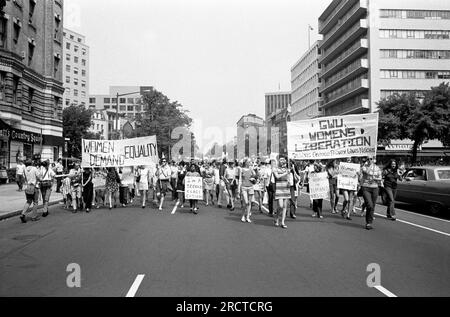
266 198
46 183
31 188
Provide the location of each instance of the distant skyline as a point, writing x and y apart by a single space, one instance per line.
217 58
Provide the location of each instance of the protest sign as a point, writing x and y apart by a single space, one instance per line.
348 176
319 187
99 179
119 153
193 188
333 137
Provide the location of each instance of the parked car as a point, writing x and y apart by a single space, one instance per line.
3 175
425 185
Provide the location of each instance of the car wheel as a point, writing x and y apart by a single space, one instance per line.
435 208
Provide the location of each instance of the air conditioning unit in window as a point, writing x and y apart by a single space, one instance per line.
24 54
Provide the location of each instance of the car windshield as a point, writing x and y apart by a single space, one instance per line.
443 174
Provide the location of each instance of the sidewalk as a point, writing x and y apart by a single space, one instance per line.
13 201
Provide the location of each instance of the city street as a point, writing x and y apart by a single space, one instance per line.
214 254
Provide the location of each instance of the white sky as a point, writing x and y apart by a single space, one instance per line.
218 57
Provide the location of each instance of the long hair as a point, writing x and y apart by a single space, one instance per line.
388 166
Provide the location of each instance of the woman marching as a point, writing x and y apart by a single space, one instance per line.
46 184
180 183
112 186
247 179
75 187
88 189
333 171
282 191
371 180
317 203
142 176
294 179
164 172
208 183
391 176
194 171
349 195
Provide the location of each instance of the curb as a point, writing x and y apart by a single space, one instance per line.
18 212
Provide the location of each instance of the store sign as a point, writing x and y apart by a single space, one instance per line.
19 135
401 147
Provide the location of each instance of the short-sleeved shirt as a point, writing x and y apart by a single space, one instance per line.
20 169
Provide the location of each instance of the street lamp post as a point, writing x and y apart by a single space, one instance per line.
117 107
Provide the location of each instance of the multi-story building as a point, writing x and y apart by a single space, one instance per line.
375 48
100 124
305 84
31 89
129 105
75 69
251 136
277 106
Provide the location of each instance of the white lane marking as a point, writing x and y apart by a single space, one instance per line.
416 214
418 226
408 223
385 291
135 286
175 208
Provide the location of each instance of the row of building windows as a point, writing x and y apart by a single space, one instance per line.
76 70
76 49
415 34
415 54
388 93
75 92
415 14
72 37
356 83
75 81
276 102
76 59
114 100
124 108
414 74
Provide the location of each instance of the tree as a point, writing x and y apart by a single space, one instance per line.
160 117
76 122
406 117
437 105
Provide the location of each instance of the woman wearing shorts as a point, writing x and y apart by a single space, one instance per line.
230 184
247 179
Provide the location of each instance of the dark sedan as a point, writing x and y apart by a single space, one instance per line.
425 185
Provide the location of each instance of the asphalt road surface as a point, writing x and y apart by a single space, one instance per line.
145 252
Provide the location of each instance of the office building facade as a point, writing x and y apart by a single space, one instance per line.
75 69
372 49
31 89
251 136
129 106
305 85
277 107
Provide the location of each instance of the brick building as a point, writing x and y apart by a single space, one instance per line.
31 89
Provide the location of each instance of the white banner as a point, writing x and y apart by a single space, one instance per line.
118 153
333 137
348 176
193 188
319 187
